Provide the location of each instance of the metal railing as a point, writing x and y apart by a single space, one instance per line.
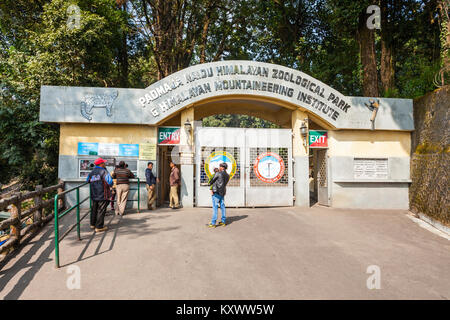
138 195
76 206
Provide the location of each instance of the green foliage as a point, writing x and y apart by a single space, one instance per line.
44 51
416 77
237 121
112 47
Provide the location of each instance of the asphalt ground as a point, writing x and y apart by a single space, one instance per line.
263 253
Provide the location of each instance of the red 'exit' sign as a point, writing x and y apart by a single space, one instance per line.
318 139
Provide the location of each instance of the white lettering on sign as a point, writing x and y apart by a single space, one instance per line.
169 135
160 91
289 83
320 139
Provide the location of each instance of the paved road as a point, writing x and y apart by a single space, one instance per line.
276 253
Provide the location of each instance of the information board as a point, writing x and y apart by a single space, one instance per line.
108 149
147 151
370 168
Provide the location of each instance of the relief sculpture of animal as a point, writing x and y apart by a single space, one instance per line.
91 101
373 106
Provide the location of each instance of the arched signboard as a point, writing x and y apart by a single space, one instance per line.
242 78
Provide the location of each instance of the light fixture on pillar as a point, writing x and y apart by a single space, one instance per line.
304 131
188 126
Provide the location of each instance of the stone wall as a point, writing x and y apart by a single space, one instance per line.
430 160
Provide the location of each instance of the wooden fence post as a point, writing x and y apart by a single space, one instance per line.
62 200
16 209
38 202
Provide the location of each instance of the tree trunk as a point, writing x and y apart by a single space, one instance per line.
444 6
387 68
366 40
123 62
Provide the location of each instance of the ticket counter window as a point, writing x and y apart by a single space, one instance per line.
86 165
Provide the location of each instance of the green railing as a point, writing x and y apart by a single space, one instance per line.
138 195
77 207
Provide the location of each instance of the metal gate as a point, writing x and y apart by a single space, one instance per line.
259 163
322 177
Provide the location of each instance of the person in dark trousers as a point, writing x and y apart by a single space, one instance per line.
151 180
123 176
113 193
219 184
100 182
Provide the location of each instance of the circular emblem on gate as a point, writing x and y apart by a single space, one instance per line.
216 158
269 167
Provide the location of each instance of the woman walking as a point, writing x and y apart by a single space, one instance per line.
122 174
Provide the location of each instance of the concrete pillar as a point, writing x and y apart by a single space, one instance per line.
301 159
187 159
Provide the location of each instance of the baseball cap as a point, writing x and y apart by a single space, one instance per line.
99 161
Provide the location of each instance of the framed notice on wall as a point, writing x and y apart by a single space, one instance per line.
147 151
370 168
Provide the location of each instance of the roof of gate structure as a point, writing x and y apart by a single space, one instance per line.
259 89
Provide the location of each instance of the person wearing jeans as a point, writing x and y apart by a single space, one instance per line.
218 201
219 183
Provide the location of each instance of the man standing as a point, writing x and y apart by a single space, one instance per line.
100 182
123 176
151 186
174 181
219 184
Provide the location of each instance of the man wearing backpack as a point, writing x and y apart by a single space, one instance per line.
100 182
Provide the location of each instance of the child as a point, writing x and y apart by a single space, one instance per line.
215 171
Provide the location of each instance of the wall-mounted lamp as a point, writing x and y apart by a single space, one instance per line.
188 126
304 131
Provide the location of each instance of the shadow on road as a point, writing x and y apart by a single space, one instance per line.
43 245
24 262
232 219
136 227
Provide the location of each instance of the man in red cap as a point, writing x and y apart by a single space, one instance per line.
100 182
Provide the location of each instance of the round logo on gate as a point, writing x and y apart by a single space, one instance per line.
269 167
216 158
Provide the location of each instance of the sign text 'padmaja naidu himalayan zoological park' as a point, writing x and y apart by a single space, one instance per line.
238 78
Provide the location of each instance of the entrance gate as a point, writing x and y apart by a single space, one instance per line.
259 163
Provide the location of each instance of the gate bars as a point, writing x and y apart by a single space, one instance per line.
77 207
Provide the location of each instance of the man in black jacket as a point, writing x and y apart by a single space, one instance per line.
219 189
100 182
